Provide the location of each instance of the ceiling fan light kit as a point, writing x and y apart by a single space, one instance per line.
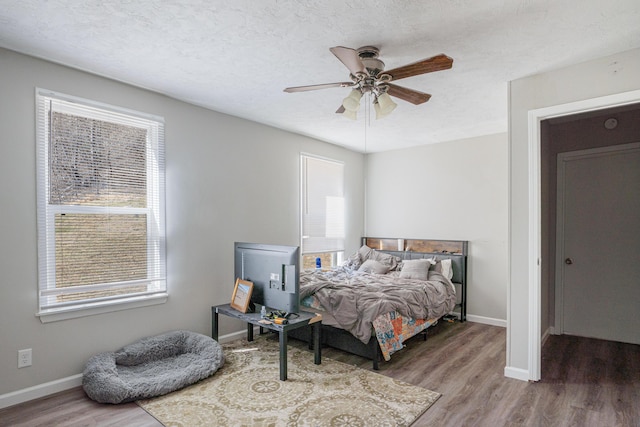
351 115
368 76
384 106
352 102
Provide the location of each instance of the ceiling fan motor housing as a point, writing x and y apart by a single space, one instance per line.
369 57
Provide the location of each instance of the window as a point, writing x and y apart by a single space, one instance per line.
322 199
101 232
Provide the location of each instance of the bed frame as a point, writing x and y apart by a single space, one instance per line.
456 250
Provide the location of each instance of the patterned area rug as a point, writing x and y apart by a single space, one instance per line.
247 391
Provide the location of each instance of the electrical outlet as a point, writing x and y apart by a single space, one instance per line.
24 358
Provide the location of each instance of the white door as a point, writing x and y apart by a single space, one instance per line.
598 244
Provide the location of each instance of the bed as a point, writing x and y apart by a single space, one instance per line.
387 292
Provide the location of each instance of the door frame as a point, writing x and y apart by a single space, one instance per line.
535 117
563 158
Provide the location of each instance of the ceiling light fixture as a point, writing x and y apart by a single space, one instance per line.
351 115
368 77
384 105
365 84
352 102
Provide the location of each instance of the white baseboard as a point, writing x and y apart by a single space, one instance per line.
485 320
236 335
40 390
56 386
516 373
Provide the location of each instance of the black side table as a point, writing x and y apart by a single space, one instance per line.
304 319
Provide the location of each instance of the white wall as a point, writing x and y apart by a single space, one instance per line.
451 191
227 179
605 76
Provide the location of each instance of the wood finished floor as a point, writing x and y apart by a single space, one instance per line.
585 382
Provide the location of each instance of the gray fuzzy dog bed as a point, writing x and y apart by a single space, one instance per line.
151 367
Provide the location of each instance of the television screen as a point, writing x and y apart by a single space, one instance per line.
274 272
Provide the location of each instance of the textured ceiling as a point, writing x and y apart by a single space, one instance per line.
237 57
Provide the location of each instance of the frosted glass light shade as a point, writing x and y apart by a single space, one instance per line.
384 106
352 102
352 115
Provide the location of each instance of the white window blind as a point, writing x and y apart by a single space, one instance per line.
101 231
322 205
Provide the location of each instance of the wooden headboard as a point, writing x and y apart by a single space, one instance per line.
457 247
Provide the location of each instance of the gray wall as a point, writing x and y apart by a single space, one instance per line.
598 78
227 179
455 190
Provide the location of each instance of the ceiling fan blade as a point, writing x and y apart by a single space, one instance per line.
429 65
350 58
340 110
413 96
316 87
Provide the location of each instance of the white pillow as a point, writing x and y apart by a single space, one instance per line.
444 267
373 266
415 269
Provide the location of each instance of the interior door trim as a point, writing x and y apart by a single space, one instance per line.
532 319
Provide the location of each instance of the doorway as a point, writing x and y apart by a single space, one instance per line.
540 317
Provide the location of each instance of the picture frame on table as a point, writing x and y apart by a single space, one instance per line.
241 295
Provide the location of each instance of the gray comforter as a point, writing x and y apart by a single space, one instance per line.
356 298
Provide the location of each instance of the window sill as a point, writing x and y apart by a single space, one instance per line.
90 309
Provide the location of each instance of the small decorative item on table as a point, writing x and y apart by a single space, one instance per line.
241 295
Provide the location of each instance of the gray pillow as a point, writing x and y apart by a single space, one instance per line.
364 252
415 269
373 266
353 262
356 259
386 259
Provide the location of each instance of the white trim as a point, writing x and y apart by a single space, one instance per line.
98 105
62 384
509 188
40 390
330 241
535 118
487 320
156 290
516 373
236 335
56 386
535 292
484 320
99 308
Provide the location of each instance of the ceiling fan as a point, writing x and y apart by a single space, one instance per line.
368 76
